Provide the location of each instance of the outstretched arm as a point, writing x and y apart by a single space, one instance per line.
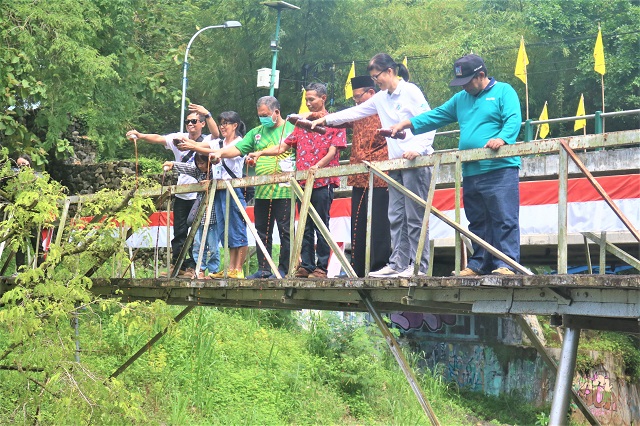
147 137
271 151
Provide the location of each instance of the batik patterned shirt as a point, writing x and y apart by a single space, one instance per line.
311 147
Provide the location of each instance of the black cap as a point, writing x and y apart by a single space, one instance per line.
362 81
466 68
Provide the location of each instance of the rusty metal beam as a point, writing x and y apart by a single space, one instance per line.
620 254
402 362
148 345
627 223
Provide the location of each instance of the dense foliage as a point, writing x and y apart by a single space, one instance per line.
99 67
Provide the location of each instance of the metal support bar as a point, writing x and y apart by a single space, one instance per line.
587 253
627 223
305 203
205 227
564 378
168 216
437 213
292 232
150 343
227 251
63 220
563 185
189 240
252 228
367 249
425 221
458 179
346 266
402 362
603 253
554 369
620 254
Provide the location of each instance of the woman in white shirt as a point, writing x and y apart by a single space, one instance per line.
397 100
232 130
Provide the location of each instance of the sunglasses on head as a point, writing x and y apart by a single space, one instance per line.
191 121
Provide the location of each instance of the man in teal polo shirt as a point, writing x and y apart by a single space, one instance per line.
272 202
489 116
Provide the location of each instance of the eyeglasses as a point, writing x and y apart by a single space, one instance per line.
375 77
191 121
358 97
225 123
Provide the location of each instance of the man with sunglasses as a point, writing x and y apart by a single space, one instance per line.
194 123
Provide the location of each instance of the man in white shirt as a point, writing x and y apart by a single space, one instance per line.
194 123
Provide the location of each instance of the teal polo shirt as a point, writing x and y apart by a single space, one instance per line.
493 113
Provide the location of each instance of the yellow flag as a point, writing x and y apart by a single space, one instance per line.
544 128
579 124
598 54
348 91
303 104
404 62
521 63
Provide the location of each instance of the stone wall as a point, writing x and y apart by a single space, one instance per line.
83 179
485 354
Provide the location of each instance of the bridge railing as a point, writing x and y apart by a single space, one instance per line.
561 146
439 158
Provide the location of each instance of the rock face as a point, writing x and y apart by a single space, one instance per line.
83 179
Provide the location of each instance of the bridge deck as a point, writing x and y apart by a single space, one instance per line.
607 301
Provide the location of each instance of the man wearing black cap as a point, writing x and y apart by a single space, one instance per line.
368 145
489 116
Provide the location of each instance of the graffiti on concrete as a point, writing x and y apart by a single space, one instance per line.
596 391
415 321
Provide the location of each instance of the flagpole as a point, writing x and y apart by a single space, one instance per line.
602 84
526 91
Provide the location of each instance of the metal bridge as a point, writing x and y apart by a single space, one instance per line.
576 302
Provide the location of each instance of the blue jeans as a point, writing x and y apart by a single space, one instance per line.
492 206
211 255
237 226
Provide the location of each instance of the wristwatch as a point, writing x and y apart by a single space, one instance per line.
208 115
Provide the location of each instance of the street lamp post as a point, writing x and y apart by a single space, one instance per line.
185 64
278 5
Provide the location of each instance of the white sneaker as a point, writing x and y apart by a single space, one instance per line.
408 273
385 272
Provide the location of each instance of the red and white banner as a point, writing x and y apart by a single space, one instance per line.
587 211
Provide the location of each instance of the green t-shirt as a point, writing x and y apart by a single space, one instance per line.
260 138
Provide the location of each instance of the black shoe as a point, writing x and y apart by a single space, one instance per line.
260 274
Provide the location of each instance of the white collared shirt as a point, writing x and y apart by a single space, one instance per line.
234 164
405 102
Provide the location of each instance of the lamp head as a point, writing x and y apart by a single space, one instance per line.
231 24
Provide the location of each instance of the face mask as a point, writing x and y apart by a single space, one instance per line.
267 121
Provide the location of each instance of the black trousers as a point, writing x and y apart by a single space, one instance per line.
380 233
313 243
268 212
21 254
181 210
